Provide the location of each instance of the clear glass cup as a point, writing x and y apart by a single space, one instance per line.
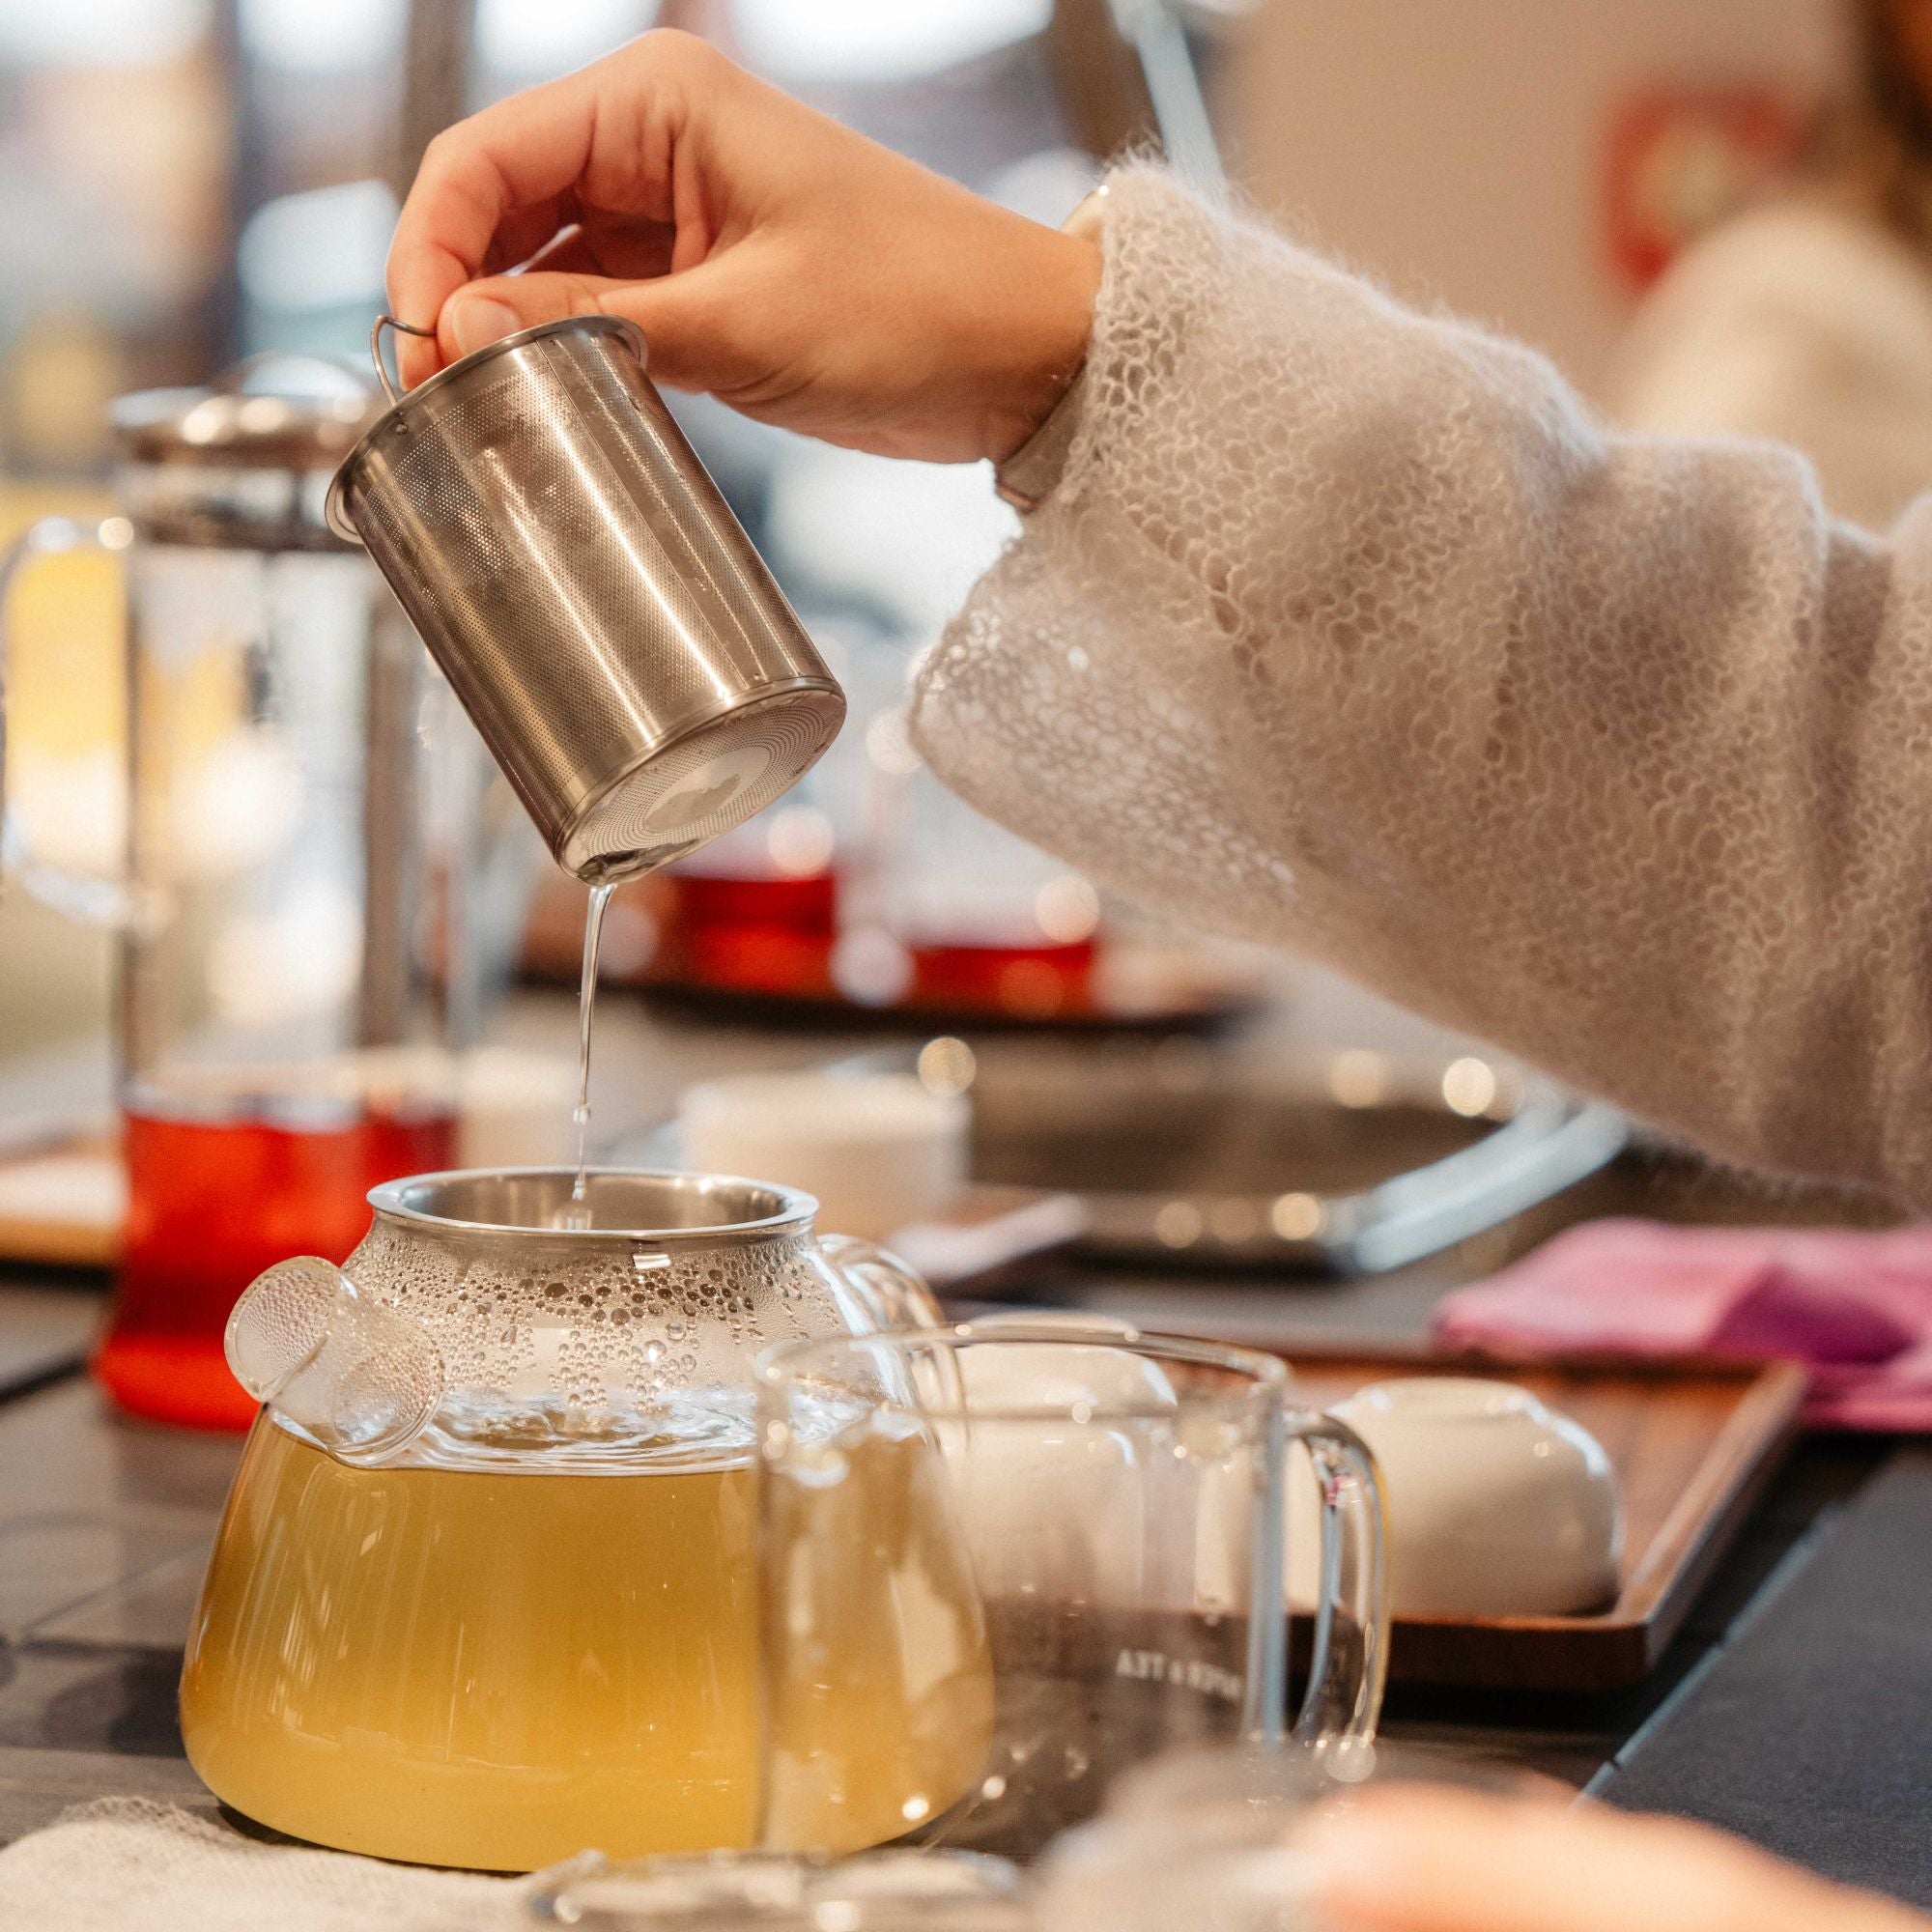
984 921
1067 1546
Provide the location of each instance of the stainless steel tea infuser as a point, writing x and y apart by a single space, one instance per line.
592 600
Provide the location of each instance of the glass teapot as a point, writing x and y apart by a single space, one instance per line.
485 1590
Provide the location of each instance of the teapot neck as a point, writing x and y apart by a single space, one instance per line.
642 1208
585 1327
483 1431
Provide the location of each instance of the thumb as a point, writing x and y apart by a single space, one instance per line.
667 309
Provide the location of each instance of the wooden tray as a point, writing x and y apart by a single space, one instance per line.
1693 1442
62 1204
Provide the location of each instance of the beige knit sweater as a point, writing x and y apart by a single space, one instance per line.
1349 629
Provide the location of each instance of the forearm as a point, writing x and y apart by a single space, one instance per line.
1346 627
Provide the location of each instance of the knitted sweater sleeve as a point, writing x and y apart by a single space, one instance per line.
1348 629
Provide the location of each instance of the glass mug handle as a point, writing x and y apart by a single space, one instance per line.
90 901
894 1294
1348 1666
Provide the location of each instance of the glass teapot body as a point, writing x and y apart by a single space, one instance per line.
486 1589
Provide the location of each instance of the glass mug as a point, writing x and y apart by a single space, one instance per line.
1067 1546
485 1590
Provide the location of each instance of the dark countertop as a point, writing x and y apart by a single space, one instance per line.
1810 1730
1796 1707
105 1527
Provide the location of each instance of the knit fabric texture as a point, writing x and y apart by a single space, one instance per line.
1349 630
140 1866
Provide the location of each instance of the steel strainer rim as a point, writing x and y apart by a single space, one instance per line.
336 508
737 716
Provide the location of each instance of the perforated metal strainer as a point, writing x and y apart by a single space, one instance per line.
589 595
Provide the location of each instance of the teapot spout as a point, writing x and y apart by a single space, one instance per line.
359 1379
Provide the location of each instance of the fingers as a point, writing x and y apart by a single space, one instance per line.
681 317
487 311
526 233
1418 1859
524 153
494 187
603 244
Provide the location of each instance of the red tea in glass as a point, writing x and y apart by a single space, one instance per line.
213 1200
747 934
304 817
1046 980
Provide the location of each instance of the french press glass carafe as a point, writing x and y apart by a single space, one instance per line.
300 795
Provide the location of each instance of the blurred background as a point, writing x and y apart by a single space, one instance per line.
272 929
196 182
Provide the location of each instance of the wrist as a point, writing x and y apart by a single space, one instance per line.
1059 286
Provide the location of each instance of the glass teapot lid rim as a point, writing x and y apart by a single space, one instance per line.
770 1209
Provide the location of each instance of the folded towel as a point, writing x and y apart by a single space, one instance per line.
1856 1307
139 1867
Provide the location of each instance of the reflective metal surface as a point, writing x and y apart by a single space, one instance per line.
242 464
1187 1155
620 1201
590 596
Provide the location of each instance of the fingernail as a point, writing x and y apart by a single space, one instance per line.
480 320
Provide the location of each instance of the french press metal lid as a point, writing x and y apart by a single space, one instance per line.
231 467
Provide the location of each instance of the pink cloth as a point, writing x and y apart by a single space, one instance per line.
1856 1307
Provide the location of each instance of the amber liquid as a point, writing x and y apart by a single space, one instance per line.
489 1667
212 1203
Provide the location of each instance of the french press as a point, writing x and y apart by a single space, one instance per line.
302 797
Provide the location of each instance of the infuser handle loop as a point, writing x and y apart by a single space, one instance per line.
383 322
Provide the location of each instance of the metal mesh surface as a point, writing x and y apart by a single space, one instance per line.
591 598
697 789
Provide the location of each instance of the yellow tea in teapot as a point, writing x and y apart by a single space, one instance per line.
471 1663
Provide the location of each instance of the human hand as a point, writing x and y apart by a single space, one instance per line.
1413 1859
793 269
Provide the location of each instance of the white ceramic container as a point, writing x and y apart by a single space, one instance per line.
1498 1506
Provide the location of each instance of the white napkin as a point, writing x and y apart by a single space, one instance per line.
142 1867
